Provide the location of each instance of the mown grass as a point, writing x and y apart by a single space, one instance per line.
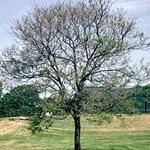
60 137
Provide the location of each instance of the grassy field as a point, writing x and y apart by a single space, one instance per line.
133 133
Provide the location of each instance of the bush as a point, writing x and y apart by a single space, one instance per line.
34 125
21 101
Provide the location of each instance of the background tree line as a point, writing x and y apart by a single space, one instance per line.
25 101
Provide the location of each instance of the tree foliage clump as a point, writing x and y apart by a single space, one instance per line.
20 101
111 99
141 94
51 109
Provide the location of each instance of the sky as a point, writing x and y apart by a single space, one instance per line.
140 9
12 9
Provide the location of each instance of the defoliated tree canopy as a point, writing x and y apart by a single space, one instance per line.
68 46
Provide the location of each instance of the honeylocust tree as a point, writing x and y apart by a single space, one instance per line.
68 46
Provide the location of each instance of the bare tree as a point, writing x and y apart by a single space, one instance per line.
66 47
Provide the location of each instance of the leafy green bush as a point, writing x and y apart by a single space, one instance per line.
40 122
21 101
34 125
43 119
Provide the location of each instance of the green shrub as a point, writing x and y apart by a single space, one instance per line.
21 101
34 125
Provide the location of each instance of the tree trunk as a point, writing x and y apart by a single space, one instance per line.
77 133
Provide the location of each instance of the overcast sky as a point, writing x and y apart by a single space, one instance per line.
11 9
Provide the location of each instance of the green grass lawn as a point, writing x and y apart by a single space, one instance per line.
60 137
